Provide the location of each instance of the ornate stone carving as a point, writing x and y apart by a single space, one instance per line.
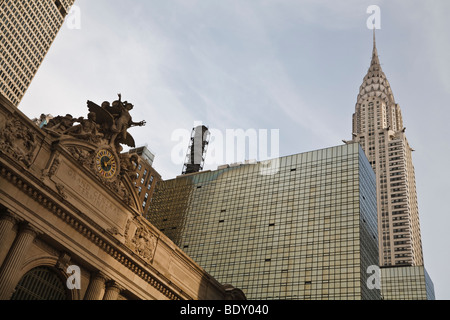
87 129
114 121
52 170
105 129
113 230
17 140
60 124
83 156
96 239
144 243
128 165
127 228
60 189
106 125
63 261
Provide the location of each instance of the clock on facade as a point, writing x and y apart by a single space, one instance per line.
106 163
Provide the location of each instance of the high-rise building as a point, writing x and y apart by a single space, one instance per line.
28 29
378 127
146 176
308 231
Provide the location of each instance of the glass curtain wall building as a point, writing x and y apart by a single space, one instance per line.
406 283
306 231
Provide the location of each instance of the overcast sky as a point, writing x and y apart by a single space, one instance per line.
291 65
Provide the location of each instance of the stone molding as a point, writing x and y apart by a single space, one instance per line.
87 232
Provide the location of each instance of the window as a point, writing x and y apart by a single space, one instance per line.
150 183
41 283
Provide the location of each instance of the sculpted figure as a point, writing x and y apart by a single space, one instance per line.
60 124
114 121
87 129
129 164
144 243
123 122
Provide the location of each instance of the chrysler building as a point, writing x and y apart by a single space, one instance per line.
378 127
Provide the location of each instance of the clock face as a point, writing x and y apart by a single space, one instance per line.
106 164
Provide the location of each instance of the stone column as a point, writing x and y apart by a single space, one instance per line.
96 286
112 291
14 260
7 222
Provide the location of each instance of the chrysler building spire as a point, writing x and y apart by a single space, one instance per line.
378 128
376 85
375 59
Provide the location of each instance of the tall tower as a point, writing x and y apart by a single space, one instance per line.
28 29
378 127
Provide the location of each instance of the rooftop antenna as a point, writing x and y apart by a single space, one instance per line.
195 156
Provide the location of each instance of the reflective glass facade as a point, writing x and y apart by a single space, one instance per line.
306 231
406 283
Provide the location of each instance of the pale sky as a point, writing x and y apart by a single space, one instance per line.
291 65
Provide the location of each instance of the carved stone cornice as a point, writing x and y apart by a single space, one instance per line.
86 231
